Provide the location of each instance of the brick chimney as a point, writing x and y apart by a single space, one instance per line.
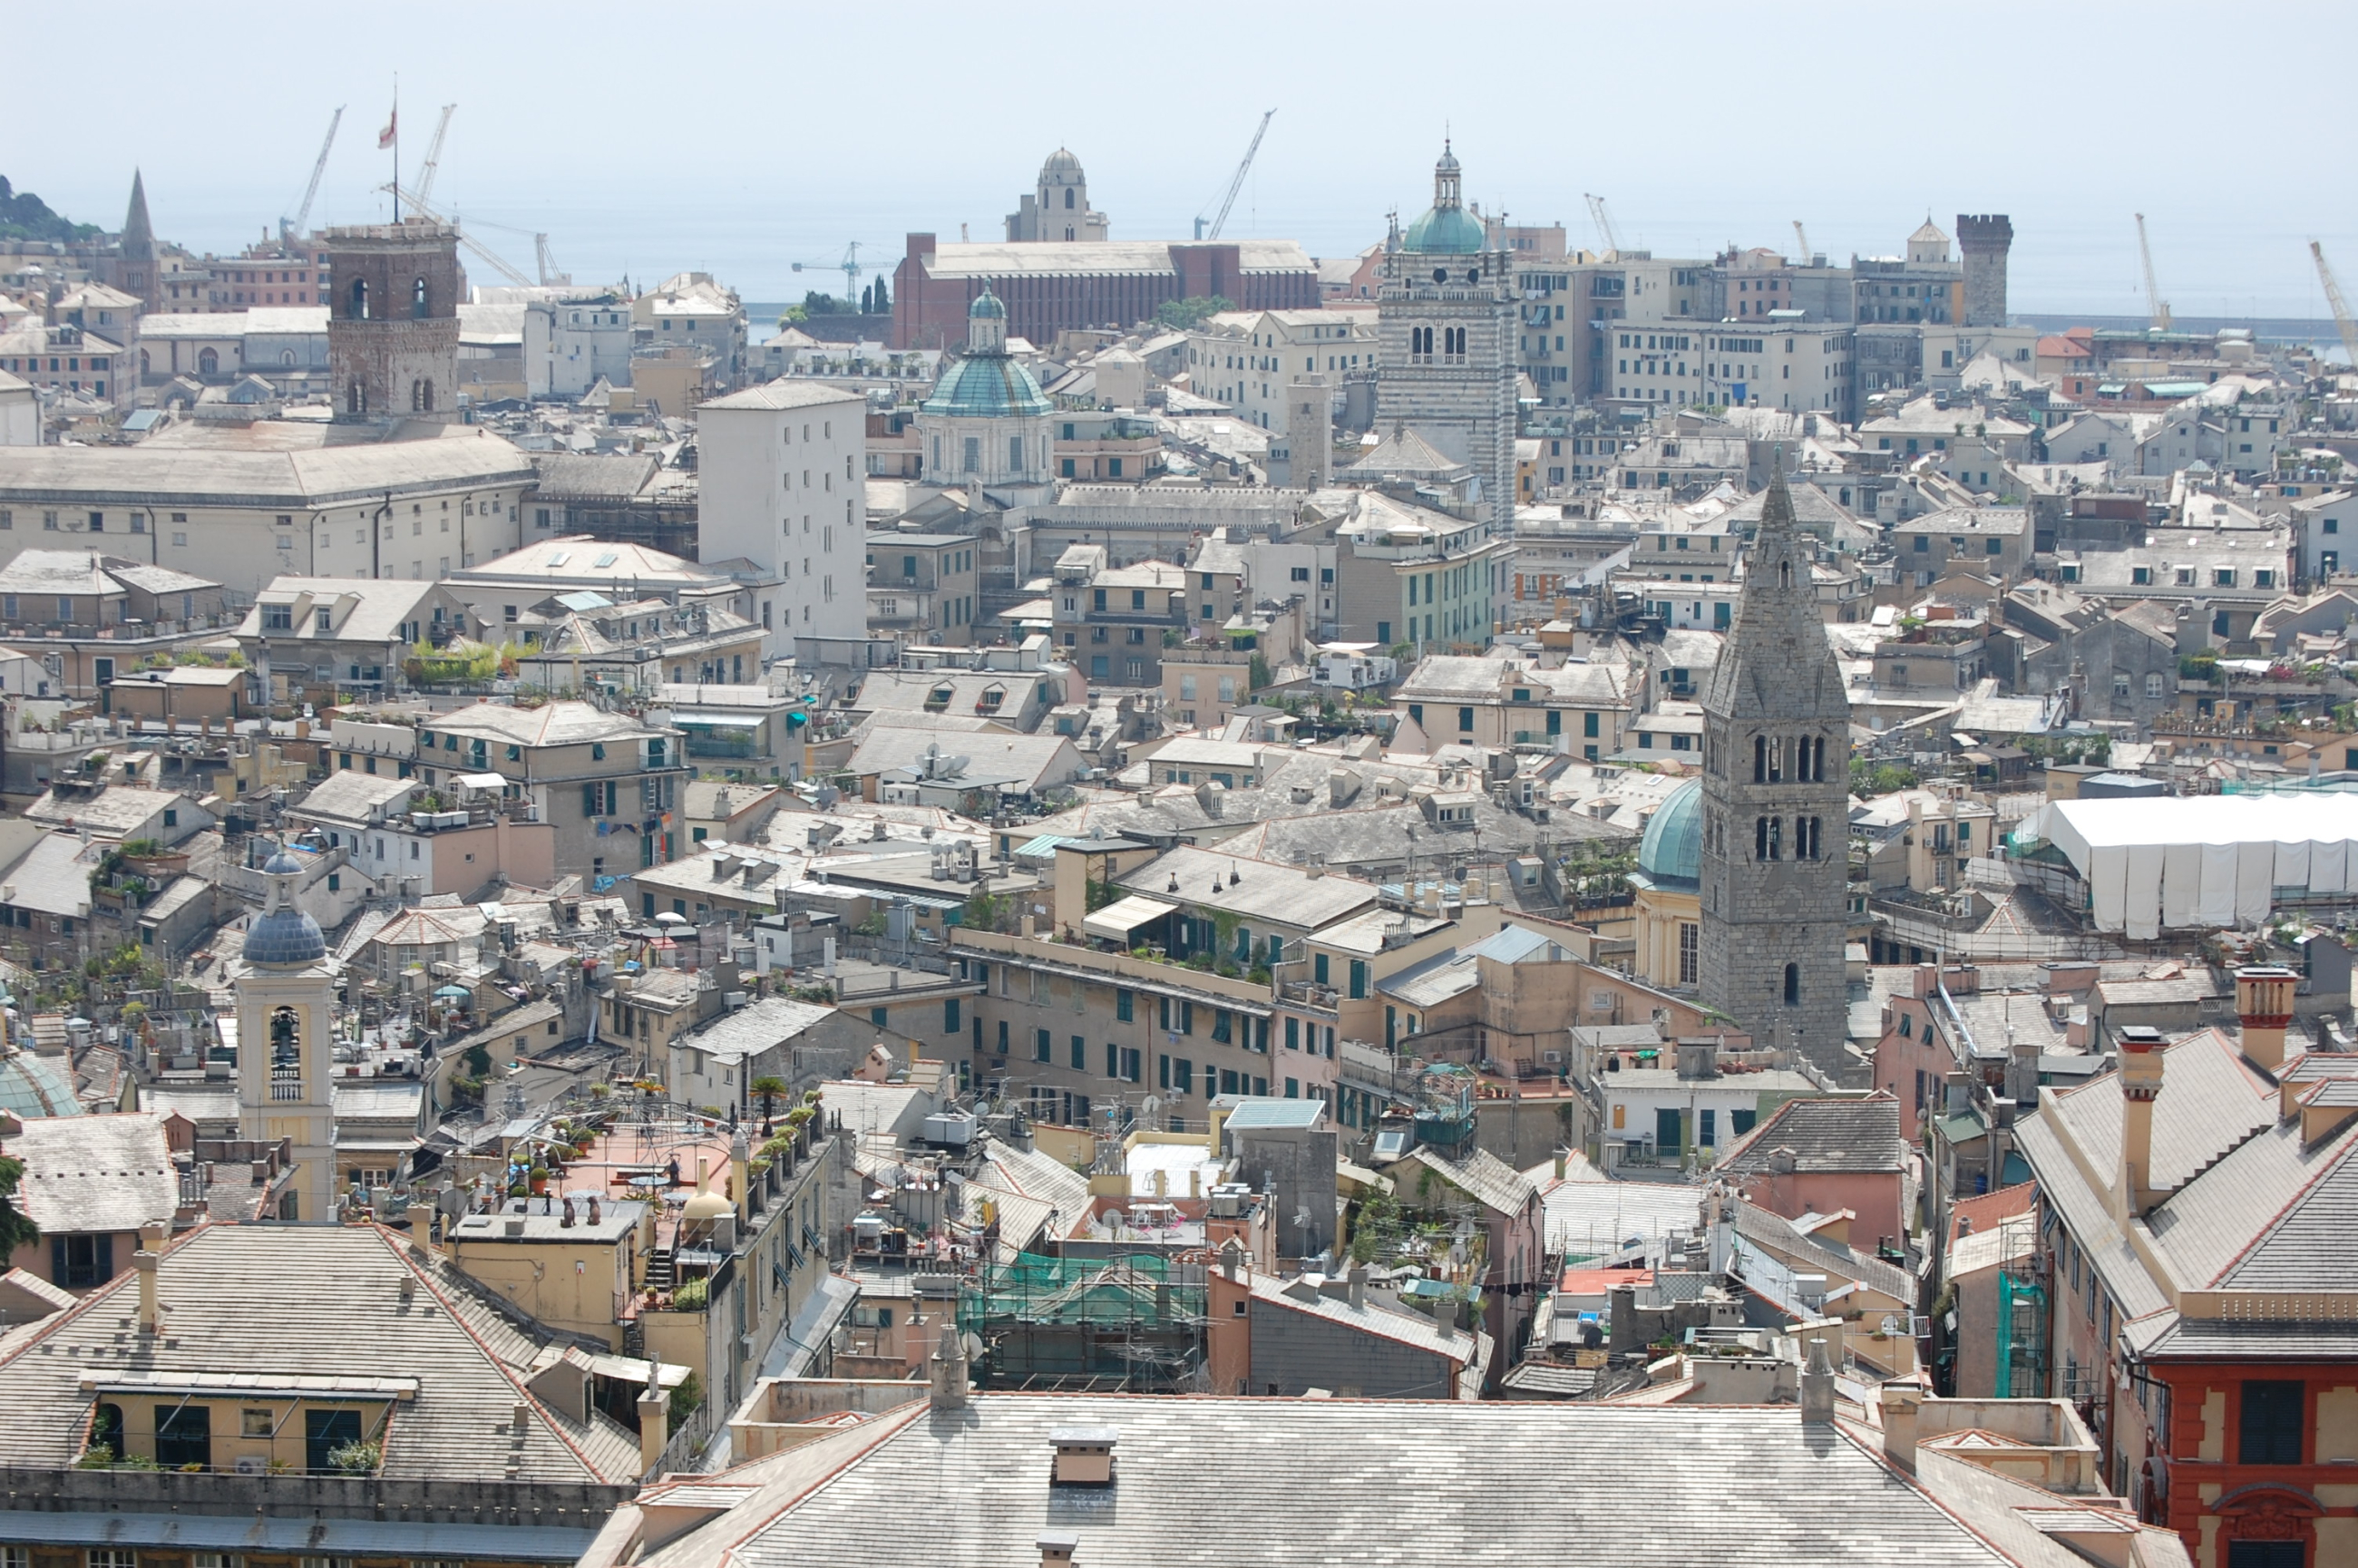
2141 1070
654 1421
2263 1007
146 1263
1900 1402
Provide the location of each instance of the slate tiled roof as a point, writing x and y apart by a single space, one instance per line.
95 1173
1779 1236
1733 1488
1826 1135
316 1300
1484 1177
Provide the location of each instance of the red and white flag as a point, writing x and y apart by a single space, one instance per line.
384 137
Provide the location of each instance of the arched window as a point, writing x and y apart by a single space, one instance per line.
1784 574
142 362
1792 985
286 1054
421 395
208 362
356 398
360 299
285 356
417 299
1069 196
1760 759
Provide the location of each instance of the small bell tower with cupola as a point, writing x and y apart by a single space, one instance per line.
285 986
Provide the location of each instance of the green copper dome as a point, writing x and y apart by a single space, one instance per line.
992 385
1443 230
986 304
1671 854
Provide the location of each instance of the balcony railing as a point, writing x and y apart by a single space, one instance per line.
287 1092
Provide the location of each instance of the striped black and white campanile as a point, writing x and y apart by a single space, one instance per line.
1776 791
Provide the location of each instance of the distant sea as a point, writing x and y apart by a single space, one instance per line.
2071 266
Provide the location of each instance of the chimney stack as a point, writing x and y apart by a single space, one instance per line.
654 1421
1621 1320
1057 1549
2264 1006
1817 1385
145 1262
2141 1070
740 1155
420 1215
2022 1070
1358 1282
948 1370
1900 1402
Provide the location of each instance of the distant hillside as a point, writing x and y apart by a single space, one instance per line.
28 217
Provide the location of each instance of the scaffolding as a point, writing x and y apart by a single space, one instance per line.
2021 1369
1132 1324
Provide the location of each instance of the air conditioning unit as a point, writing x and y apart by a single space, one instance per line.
1552 1058
251 1464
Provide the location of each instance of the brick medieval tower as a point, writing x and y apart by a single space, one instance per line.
393 322
1775 788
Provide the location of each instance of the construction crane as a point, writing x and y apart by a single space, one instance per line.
2341 306
1236 183
426 171
1801 236
1604 224
2154 301
550 275
418 207
850 267
288 228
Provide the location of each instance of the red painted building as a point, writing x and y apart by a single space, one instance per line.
1050 286
2196 1288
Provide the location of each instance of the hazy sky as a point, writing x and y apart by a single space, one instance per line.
742 138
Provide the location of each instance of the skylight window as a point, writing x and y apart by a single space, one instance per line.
605 558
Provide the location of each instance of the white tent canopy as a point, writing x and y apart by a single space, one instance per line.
2180 863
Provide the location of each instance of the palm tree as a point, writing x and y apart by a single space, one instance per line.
769 1088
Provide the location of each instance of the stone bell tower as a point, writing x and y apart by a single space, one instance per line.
1776 785
392 321
286 987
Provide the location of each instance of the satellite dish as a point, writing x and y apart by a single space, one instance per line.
1149 1108
972 1344
1302 1218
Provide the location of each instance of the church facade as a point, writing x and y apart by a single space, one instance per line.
1057 207
1776 781
1445 315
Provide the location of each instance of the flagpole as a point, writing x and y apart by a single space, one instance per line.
396 146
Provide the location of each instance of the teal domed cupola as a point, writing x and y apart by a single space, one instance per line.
1446 228
985 381
1671 854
